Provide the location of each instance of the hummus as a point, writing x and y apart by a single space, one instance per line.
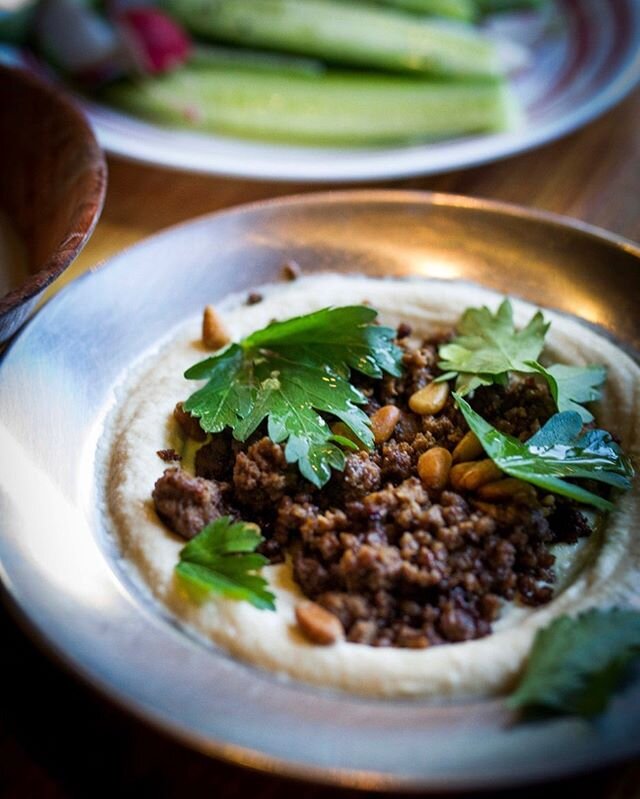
604 570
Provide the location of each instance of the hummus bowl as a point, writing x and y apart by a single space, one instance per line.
63 570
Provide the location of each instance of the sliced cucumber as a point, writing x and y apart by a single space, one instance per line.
464 10
333 109
500 6
216 56
343 33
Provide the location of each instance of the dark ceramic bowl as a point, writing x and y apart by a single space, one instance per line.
52 184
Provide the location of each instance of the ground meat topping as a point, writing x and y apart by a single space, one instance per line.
398 561
261 475
361 476
168 455
189 424
214 461
519 410
186 504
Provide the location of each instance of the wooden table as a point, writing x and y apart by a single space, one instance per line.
57 738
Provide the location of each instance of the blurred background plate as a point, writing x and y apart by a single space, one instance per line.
59 379
586 57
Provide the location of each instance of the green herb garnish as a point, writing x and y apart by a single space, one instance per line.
222 560
489 347
558 450
572 385
292 372
576 663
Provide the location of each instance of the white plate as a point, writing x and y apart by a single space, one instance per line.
585 58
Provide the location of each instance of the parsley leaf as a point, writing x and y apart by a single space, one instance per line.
559 449
576 663
221 559
489 346
290 373
572 385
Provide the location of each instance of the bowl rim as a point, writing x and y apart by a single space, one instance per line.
86 213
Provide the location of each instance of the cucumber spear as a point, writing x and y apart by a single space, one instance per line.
500 6
463 10
330 108
343 33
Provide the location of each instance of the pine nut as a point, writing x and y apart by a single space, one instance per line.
318 624
471 475
506 490
430 399
457 474
214 333
434 466
468 448
383 423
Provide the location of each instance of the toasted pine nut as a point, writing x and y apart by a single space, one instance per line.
479 473
434 466
383 422
506 490
430 399
341 429
318 624
468 448
214 333
457 473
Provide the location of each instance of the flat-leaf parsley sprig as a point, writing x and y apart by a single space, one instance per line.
488 348
292 373
222 560
560 449
572 385
576 664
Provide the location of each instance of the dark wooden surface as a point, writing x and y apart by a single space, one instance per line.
593 175
59 739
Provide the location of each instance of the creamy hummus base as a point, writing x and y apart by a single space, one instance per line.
603 571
